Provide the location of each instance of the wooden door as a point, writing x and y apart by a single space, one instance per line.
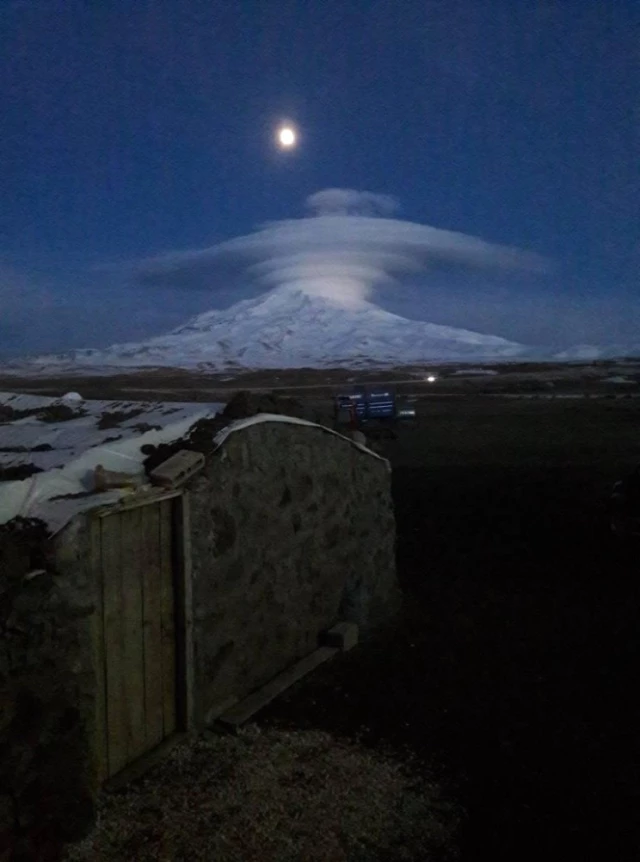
136 552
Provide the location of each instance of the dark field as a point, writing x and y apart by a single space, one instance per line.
183 385
513 671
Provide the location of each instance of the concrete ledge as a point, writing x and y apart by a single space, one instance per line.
178 469
134 771
243 711
221 708
342 636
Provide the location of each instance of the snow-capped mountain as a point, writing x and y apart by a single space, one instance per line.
287 328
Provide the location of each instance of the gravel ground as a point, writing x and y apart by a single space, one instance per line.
273 796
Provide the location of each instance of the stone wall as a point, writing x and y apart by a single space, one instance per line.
46 691
292 529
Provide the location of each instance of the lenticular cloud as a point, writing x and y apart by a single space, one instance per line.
342 251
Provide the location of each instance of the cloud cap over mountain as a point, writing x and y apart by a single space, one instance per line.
343 251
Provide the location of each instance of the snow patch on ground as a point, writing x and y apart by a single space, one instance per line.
618 379
474 372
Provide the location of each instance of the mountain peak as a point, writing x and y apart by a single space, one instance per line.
290 328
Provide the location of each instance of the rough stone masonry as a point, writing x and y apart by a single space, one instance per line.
47 687
292 529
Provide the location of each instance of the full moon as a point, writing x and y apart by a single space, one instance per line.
286 137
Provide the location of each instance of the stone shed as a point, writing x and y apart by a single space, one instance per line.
131 614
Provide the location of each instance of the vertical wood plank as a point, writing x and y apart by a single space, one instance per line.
167 602
184 612
151 622
113 641
100 747
132 644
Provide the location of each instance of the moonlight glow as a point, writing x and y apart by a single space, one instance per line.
287 137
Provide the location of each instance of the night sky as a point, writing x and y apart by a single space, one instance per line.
137 129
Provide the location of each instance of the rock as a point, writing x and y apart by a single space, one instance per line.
245 404
105 479
358 437
72 398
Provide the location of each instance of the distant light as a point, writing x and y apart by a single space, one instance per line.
431 379
287 137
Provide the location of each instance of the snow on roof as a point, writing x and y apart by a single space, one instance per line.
52 432
65 443
222 435
67 449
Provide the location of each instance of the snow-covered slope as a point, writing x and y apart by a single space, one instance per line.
592 352
291 329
